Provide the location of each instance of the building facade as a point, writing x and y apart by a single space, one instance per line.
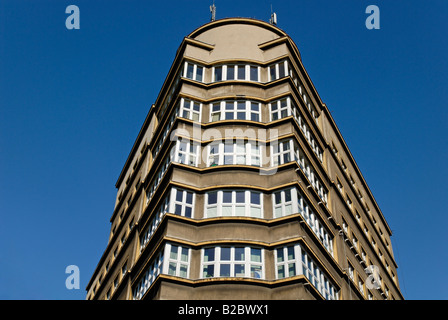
240 185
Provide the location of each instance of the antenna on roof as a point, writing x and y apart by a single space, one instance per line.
213 11
273 19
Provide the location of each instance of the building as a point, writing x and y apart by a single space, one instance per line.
240 185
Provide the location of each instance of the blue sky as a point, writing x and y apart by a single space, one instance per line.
72 103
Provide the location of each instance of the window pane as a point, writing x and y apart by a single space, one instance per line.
209 254
239 254
230 72
255 272
255 197
229 116
212 197
253 73
172 269
280 257
199 73
188 212
183 270
228 159
189 198
287 195
272 72
173 254
190 71
281 69
211 212
179 196
240 196
278 197
240 211
240 270
255 255
225 254
290 253
209 271
241 72
178 209
184 254
281 271
224 270
255 212
218 73
291 269
226 211
227 196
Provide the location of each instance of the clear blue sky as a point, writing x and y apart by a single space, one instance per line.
72 103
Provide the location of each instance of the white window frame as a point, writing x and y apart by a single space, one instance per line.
304 265
279 109
234 208
249 151
234 111
195 71
218 263
281 65
186 152
182 204
176 261
188 106
236 67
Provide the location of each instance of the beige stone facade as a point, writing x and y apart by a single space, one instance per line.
240 185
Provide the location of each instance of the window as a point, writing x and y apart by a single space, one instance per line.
290 201
236 72
172 260
282 152
182 202
178 260
155 268
246 203
193 71
283 204
361 285
351 271
278 70
286 265
235 152
286 107
177 201
293 260
279 109
235 110
190 109
186 152
228 261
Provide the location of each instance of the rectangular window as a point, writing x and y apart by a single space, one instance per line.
177 260
186 152
282 152
217 74
280 109
229 261
235 110
242 203
182 202
292 260
278 70
190 109
234 153
193 71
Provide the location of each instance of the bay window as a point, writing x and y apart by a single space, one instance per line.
235 110
242 203
232 261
